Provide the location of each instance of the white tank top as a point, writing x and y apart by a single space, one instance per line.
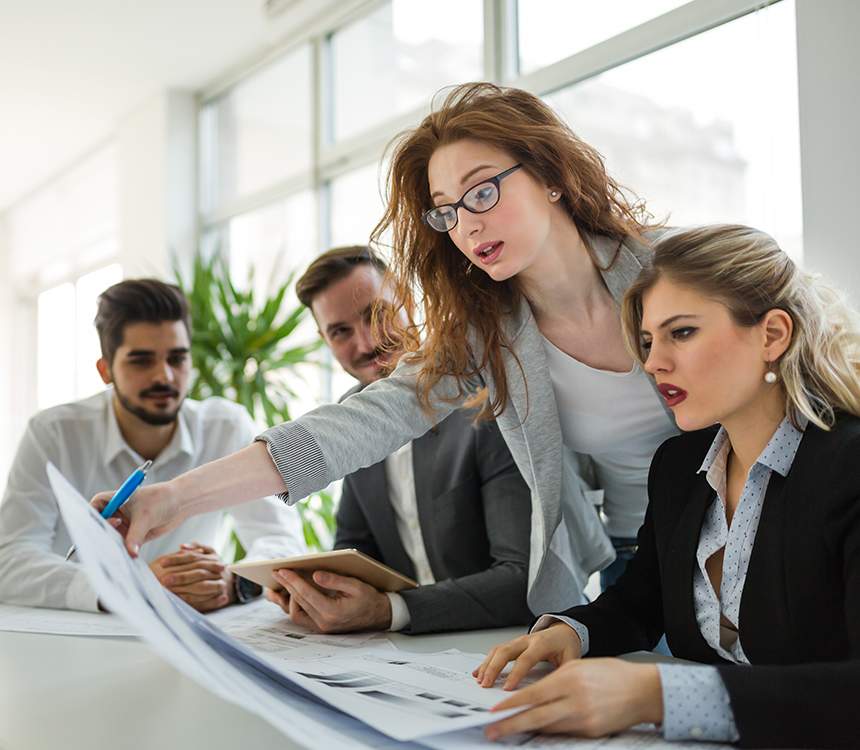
617 419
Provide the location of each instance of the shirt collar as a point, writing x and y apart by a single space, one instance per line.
778 454
115 444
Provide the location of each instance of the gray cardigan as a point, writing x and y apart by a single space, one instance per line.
568 541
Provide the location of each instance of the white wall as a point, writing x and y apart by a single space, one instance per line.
157 186
6 361
154 151
829 86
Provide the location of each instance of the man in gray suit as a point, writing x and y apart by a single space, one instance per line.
449 509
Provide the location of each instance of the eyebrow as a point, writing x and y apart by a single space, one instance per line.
339 323
671 320
466 176
150 352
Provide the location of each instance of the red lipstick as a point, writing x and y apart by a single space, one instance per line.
672 393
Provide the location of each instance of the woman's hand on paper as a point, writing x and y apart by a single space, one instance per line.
586 697
331 603
151 512
556 644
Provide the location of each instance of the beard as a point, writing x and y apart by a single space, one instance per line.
157 419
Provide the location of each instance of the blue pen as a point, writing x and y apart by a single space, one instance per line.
121 495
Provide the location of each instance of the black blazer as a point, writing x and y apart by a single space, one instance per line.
474 510
800 607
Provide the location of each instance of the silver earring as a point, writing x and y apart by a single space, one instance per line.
769 376
553 193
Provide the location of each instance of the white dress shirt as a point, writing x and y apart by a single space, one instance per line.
400 477
84 442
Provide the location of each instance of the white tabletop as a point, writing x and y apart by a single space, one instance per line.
84 692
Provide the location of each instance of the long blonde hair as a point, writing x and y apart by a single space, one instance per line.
746 270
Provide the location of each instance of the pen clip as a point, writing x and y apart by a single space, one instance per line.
145 467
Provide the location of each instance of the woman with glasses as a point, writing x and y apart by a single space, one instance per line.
521 247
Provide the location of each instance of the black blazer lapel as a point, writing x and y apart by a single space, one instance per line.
678 566
765 629
371 487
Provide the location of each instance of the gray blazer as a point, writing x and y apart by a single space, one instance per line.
473 509
568 541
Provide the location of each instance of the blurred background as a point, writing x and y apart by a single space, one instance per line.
134 136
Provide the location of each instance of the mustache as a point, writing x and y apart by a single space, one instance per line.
159 390
367 359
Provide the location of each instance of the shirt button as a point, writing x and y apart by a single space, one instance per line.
696 732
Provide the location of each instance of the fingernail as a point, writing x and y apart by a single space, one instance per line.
135 549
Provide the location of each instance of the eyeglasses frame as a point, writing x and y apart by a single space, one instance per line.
495 180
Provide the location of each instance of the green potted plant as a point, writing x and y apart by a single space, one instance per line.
244 349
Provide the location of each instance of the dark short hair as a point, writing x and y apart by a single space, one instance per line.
137 301
333 266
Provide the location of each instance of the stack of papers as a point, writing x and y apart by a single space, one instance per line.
320 691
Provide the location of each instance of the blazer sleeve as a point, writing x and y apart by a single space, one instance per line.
807 705
628 616
496 596
353 529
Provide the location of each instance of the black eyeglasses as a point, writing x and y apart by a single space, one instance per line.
478 199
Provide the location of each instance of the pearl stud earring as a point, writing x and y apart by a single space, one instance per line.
553 193
769 376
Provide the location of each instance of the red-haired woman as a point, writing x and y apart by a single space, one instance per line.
521 247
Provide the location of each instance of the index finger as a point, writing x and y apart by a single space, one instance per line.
498 659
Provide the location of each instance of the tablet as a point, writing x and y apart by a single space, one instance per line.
345 562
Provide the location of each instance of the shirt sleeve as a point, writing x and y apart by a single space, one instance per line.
544 621
400 617
696 704
31 573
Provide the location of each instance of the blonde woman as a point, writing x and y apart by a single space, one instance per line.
750 550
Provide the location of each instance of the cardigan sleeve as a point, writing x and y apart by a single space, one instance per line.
628 616
334 440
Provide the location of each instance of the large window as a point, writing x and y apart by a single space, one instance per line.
701 135
67 344
692 104
259 133
356 205
550 30
395 58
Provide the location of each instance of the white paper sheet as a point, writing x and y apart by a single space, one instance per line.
62 622
195 646
129 589
263 627
407 696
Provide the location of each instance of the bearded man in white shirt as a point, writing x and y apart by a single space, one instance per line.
144 331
